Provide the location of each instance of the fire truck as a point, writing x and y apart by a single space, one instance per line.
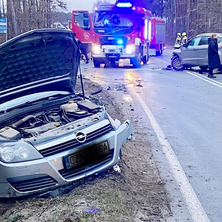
119 31
158 32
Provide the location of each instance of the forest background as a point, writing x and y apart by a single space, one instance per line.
190 16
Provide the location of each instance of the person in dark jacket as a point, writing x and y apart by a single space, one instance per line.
85 49
213 56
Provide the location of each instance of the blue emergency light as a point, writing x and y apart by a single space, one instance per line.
119 41
124 4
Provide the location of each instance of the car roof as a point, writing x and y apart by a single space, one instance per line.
210 34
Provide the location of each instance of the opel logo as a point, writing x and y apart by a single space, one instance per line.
80 137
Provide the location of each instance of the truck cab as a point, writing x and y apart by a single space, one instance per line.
119 31
158 33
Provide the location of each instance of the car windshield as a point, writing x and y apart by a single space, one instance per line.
111 19
219 39
29 99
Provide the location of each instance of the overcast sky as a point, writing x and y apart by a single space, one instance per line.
81 4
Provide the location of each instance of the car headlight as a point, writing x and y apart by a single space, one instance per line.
18 152
130 49
96 49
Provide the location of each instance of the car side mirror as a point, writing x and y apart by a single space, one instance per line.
185 45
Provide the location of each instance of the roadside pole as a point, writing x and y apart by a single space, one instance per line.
3 26
3 21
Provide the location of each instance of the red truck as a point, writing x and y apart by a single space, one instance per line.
119 31
158 32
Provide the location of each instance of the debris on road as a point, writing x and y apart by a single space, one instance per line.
92 210
97 92
169 67
116 168
138 83
121 88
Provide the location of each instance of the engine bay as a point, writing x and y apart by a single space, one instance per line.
36 123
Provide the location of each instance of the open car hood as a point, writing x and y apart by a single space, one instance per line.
39 60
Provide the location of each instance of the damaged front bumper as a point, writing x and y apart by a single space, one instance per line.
54 171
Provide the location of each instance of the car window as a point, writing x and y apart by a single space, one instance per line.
194 42
204 40
219 39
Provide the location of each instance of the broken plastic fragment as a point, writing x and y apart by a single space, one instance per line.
92 210
117 169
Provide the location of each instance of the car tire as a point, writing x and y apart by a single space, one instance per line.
176 63
96 62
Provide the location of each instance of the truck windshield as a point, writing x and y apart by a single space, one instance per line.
112 19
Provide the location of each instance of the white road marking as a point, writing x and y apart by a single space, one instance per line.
194 206
206 79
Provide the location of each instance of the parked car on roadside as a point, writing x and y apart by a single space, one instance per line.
50 136
194 52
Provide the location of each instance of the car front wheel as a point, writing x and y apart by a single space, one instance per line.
176 63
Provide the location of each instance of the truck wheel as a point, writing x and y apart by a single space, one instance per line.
176 63
157 53
145 60
160 52
136 61
96 62
113 63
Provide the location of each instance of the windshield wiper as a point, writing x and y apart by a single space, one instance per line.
116 30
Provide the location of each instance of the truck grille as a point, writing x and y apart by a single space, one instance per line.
24 184
74 143
76 171
111 40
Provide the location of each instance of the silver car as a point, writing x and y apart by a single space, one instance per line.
194 52
50 136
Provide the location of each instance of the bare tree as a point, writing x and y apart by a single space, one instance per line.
25 15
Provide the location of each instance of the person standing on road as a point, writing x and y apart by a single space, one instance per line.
213 56
178 41
184 38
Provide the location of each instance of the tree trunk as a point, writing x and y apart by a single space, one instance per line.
13 24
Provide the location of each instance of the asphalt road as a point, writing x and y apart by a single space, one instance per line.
186 107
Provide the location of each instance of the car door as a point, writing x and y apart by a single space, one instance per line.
190 52
82 26
202 51
219 40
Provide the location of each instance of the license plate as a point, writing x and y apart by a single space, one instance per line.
87 155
